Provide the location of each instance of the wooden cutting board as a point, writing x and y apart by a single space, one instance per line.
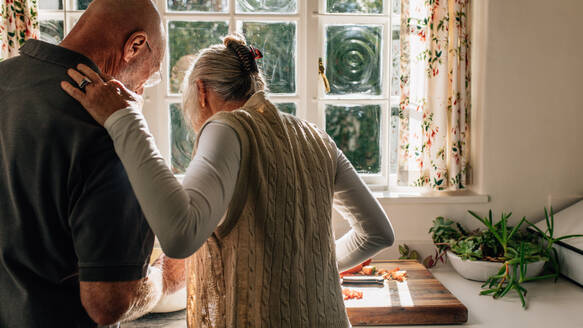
421 299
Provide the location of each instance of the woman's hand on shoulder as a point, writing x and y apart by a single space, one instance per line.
103 96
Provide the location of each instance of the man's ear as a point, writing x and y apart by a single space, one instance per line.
135 45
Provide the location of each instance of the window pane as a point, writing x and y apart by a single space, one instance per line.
395 61
83 4
51 31
277 42
185 40
394 140
289 108
50 4
263 6
353 59
182 140
356 131
396 7
355 6
198 5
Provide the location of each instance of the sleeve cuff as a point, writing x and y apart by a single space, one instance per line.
116 117
113 273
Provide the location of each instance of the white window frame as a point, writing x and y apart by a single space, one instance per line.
309 97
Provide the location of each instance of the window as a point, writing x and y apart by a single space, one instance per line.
357 40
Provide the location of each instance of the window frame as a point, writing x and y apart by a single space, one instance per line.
309 96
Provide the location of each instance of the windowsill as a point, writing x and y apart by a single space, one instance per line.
417 197
435 197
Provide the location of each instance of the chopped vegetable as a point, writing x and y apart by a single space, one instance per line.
351 294
356 269
399 275
368 270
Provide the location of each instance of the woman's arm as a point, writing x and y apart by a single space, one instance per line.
181 216
371 230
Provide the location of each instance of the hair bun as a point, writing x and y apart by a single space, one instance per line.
234 39
246 55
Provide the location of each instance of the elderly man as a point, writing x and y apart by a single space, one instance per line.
74 245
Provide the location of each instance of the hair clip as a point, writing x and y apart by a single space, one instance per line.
255 52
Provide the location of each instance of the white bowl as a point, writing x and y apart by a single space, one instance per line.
171 303
482 270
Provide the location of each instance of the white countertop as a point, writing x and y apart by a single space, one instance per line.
550 305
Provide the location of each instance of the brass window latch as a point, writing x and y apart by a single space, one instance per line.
321 71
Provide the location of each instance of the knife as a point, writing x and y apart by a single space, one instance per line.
362 280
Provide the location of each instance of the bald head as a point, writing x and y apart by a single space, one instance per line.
125 38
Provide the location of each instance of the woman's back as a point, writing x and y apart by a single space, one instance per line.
272 261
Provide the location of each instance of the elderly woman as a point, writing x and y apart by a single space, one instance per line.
255 205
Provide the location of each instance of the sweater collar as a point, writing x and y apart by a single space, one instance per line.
257 99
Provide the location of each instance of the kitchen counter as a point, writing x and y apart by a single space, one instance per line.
550 304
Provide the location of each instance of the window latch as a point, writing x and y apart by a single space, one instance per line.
321 71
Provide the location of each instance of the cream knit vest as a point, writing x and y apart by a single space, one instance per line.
272 262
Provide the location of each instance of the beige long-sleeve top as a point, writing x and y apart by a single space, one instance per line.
183 216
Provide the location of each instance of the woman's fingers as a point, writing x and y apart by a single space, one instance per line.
91 74
76 76
73 91
122 90
105 77
100 99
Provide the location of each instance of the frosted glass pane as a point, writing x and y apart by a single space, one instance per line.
395 62
353 59
182 140
394 140
267 6
51 31
50 4
83 4
396 7
355 6
277 42
198 5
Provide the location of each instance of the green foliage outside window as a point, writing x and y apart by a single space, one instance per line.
185 40
356 131
289 108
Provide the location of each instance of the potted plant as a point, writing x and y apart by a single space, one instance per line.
503 256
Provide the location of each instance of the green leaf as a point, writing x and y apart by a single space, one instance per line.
549 225
521 297
506 290
568 236
537 229
522 263
516 228
487 292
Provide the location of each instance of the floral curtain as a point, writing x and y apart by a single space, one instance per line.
19 23
435 83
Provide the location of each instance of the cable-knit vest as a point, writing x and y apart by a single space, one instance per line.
272 262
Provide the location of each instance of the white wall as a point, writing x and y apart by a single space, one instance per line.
527 125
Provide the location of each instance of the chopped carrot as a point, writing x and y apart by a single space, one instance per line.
351 293
355 269
368 270
399 275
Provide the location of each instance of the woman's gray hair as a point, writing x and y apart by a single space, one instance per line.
222 69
